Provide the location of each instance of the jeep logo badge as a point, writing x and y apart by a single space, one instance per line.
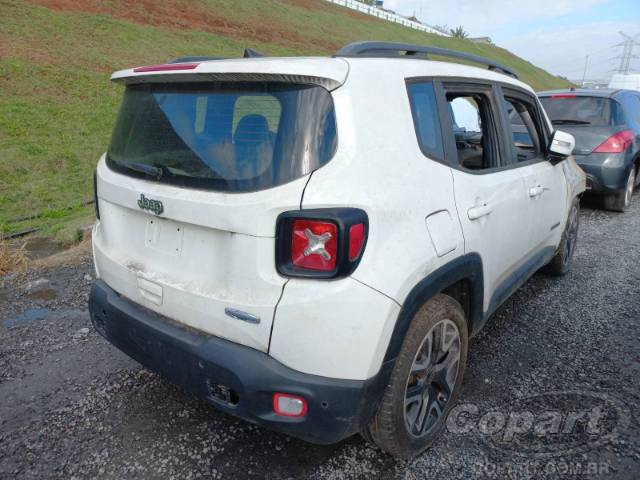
154 206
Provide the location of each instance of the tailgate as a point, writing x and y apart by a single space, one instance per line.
206 260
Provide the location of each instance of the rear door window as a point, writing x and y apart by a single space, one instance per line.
223 136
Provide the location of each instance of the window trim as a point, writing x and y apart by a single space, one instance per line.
450 152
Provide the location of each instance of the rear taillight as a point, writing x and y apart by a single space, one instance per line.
616 143
563 95
320 243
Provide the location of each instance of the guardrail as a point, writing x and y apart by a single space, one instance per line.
384 15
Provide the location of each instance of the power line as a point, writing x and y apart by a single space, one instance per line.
584 74
597 54
627 52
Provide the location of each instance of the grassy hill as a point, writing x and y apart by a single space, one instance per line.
57 105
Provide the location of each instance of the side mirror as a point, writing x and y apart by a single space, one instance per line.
561 145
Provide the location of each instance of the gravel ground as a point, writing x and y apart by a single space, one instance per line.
74 407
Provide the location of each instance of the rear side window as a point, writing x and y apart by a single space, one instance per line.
570 109
223 136
425 117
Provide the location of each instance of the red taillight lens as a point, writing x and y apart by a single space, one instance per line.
166 67
314 245
356 240
286 405
616 143
563 95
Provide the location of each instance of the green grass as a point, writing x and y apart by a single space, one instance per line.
57 105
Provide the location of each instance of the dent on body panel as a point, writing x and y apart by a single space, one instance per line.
575 176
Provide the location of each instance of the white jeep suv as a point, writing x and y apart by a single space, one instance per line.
308 243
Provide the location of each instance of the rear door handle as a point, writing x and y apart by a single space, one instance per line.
537 191
479 211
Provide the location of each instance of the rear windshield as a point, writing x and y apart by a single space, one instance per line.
579 110
222 136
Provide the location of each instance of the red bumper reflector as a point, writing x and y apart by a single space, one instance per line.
286 405
166 67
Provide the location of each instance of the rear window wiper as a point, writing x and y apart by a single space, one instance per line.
152 170
570 122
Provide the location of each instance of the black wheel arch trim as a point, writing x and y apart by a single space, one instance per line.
466 267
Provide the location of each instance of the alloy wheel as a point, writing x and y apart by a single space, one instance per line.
432 378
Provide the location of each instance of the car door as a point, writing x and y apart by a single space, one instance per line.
490 195
544 181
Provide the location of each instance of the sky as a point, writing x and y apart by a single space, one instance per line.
554 34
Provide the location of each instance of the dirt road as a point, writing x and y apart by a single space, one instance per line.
552 388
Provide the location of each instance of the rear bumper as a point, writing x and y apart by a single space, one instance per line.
236 379
606 172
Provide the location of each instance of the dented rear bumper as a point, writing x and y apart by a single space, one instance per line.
236 379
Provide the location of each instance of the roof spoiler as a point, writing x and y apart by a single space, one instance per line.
248 53
406 50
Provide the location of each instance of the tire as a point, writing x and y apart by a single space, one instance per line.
560 264
391 425
620 201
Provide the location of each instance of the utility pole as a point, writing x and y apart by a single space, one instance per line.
584 74
627 52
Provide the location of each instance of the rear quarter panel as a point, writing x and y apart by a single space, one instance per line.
379 168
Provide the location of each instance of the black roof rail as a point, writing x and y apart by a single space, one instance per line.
394 50
248 53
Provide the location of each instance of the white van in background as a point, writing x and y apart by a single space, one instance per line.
627 82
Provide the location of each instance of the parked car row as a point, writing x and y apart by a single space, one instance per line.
606 126
309 243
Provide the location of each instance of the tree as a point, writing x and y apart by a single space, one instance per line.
459 32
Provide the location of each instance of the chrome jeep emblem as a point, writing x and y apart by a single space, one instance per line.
154 206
